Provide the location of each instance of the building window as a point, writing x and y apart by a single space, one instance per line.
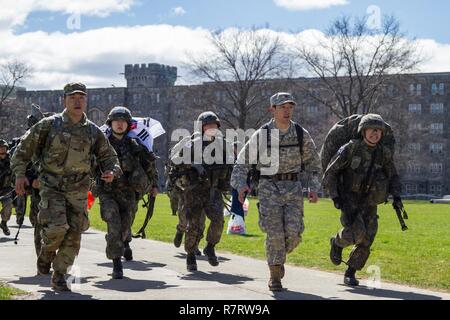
437 108
411 188
436 147
4 124
415 126
415 108
312 109
438 89
413 168
436 168
414 147
436 189
415 89
437 128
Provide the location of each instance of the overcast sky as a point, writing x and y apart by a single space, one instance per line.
90 41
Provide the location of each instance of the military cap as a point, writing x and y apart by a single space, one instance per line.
74 87
281 98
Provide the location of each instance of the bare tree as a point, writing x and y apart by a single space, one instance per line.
238 68
353 61
11 75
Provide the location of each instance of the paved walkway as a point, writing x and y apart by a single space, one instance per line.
158 272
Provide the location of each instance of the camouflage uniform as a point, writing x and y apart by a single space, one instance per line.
64 175
368 176
6 189
281 202
202 187
118 199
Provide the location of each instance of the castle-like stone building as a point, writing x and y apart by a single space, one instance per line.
417 107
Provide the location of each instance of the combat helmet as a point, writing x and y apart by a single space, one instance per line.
372 120
205 118
118 113
4 143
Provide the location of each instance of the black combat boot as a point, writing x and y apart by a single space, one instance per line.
275 278
191 262
335 252
58 282
211 254
5 228
178 239
127 252
117 269
349 277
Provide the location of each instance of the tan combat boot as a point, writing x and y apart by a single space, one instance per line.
58 282
275 278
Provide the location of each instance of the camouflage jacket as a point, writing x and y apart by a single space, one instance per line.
186 167
71 151
5 176
138 166
351 165
290 159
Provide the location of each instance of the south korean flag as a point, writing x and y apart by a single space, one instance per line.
144 129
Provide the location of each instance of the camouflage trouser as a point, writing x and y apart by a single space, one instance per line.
7 205
174 197
118 211
63 217
360 229
280 217
21 206
196 204
34 210
182 220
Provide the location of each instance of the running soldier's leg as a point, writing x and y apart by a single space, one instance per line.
109 211
361 251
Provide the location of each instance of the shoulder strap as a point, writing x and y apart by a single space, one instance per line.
299 130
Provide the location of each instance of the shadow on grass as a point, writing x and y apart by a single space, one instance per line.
135 265
220 277
390 294
132 285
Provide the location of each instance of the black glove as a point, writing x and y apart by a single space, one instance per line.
397 203
337 203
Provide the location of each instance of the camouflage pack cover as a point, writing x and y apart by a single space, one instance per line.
344 131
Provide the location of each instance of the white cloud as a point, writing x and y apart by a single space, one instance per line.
302 5
14 13
96 57
177 11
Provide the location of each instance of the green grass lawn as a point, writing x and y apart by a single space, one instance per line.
418 257
7 292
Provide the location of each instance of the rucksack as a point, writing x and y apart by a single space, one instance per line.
344 131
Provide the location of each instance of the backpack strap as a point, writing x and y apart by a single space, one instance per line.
299 131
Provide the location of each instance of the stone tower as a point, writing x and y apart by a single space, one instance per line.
152 75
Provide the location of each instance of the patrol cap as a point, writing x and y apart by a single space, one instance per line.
74 87
281 98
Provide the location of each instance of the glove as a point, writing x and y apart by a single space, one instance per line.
337 203
397 203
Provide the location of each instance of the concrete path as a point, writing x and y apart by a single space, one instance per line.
158 272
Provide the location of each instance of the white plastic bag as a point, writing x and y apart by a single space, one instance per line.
236 225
